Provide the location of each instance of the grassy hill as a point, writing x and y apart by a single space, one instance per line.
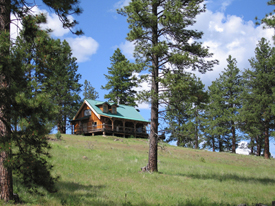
109 175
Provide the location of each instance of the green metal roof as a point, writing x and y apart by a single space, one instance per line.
123 111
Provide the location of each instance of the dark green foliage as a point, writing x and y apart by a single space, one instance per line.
56 69
32 70
58 135
269 20
30 111
221 116
186 101
89 91
160 31
63 8
58 72
25 108
258 97
121 80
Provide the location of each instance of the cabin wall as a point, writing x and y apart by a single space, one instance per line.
93 118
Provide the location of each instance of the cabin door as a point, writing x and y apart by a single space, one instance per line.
85 127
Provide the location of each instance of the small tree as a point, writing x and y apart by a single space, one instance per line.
121 80
89 91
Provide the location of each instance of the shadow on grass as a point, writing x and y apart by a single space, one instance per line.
229 176
206 202
71 193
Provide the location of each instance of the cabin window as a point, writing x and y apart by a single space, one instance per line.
87 112
114 110
105 108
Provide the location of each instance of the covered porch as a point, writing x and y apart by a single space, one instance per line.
113 126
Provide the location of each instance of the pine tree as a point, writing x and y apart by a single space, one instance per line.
19 8
31 109
89 91
215 130
159 30
269 20
184 108
225 100
258 97
58 73
121 81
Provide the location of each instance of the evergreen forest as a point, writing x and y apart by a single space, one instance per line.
41 92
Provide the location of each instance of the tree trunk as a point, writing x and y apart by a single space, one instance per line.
259 145
266 142
220 144
153 147
65 126
213 144
196 131
233 131
6 193
252 145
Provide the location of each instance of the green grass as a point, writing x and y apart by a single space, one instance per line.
111 175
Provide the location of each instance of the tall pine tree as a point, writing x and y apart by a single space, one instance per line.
62 8
258 98
215 131
162 42
184 108
121 81
57 70
225 96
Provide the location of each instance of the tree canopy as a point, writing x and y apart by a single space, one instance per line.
16 74
159 29
121 80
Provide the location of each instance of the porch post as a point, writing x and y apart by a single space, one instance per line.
113 126
104 129
123 128
135 129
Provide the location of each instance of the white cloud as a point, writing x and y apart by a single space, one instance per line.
120 4
224 35
83 47
127 49
225 4
53 22
15 27
228 35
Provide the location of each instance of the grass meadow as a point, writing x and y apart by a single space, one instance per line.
110 175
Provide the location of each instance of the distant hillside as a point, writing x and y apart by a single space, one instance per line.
96 170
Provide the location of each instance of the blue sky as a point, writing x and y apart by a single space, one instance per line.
228 26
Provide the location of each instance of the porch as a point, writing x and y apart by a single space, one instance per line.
124 130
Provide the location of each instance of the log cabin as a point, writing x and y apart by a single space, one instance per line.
97 117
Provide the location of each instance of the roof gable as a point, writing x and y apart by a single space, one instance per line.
123 111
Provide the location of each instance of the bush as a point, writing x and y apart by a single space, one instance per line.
58 135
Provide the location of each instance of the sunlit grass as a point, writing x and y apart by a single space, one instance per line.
110 175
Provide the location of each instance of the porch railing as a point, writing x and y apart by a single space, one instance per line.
108 128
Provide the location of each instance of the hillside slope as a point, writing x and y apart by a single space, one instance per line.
109 174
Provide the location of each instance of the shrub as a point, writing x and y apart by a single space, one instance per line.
58 135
